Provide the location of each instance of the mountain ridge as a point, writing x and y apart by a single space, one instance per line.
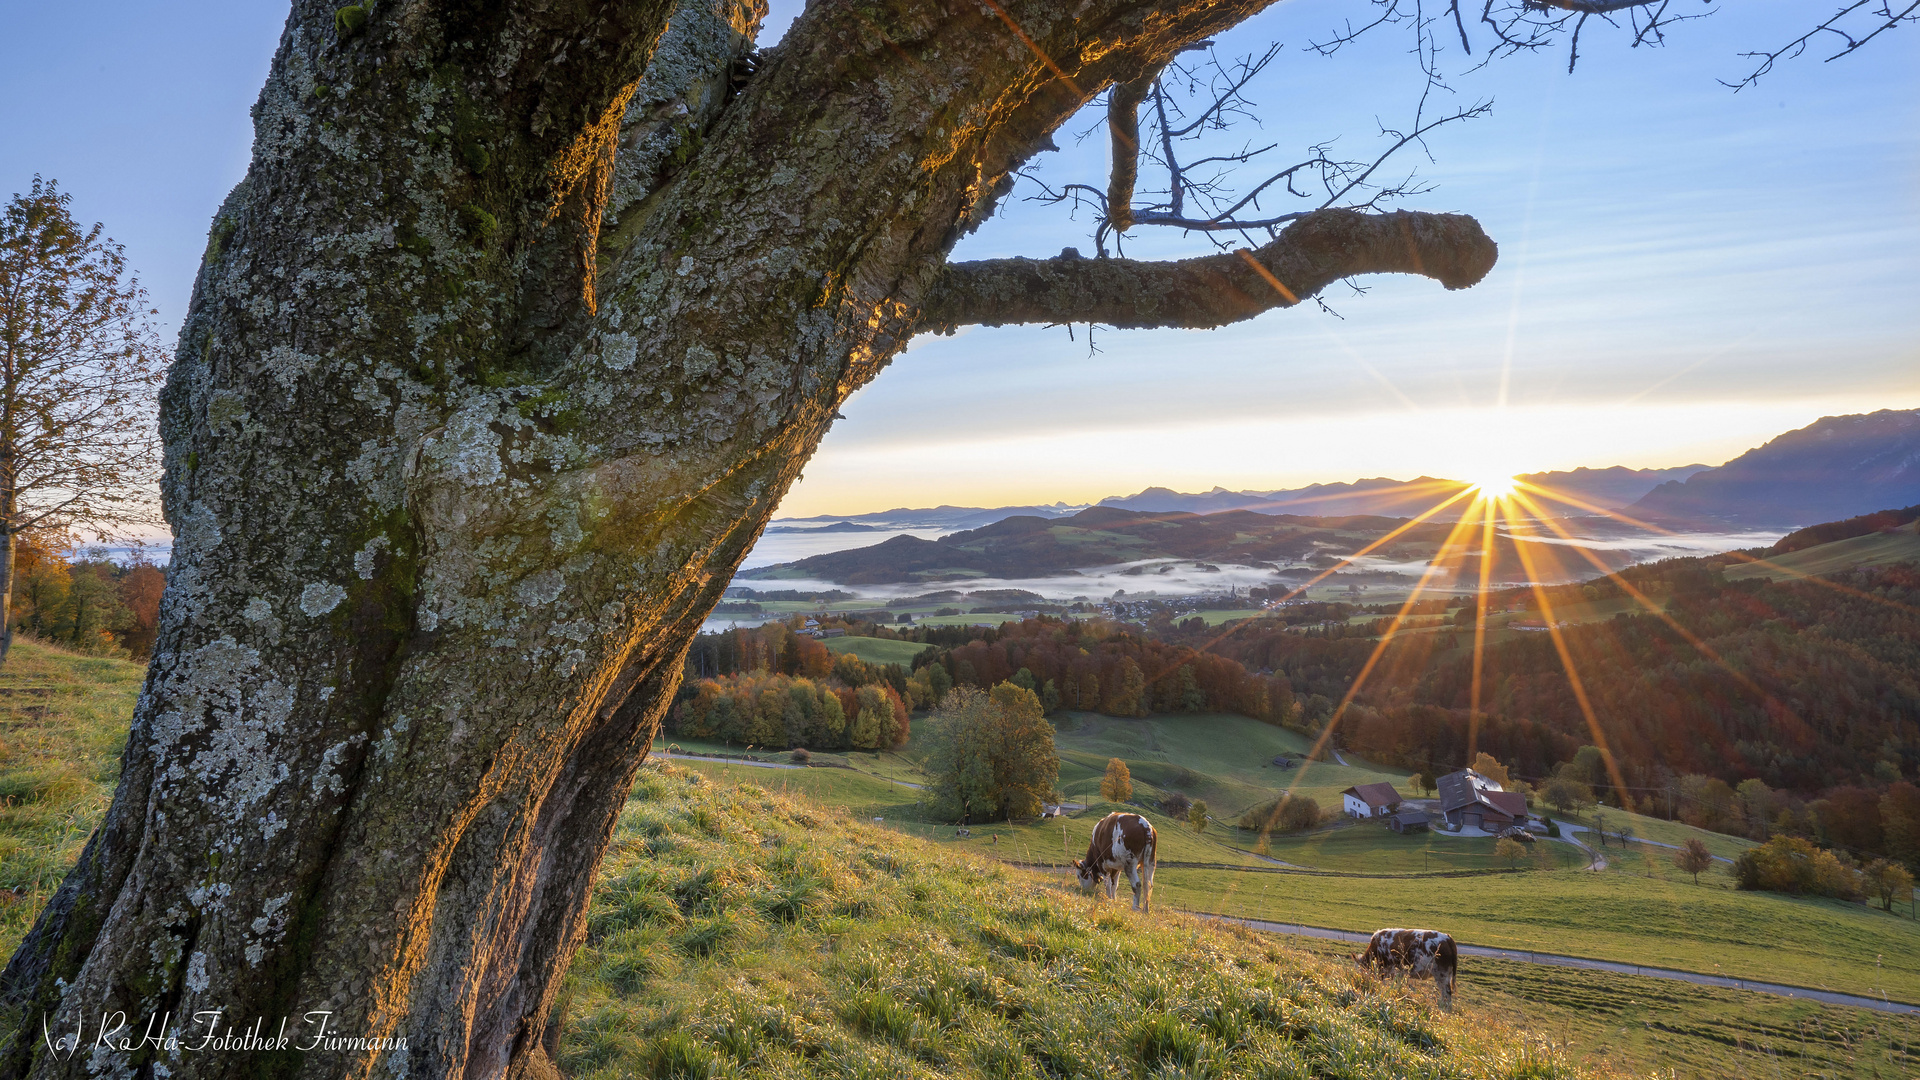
1834 468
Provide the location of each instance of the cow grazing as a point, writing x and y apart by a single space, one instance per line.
1424 954
1122 843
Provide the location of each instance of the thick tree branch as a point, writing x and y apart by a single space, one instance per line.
1123 125
1214 290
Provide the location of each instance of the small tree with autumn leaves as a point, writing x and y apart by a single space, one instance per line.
1509 849
1117 785
1693 857
79 372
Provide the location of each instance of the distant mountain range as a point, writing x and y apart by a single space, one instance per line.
1381 496
1835 467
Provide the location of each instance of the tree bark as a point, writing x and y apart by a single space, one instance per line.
499 360
7 553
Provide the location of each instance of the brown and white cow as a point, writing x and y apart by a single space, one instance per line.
1122 843
1424 954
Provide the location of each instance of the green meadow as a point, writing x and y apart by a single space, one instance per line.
877 650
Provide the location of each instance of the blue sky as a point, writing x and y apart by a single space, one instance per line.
1684 271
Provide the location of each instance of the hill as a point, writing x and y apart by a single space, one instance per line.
1887 547
1834 468
739 933
1640 909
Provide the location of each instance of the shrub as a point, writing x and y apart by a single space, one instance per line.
1175 804
1283 815
1788 864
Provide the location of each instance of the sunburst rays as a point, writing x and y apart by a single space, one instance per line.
1515 511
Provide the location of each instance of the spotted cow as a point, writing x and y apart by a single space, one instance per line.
1122 843
1424 954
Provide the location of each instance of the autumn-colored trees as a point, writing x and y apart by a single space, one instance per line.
774 710
1693 857
1117 784
1788 864
88 604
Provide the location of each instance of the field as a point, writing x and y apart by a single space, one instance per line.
1635 1025
877 650
1640 910
1224 759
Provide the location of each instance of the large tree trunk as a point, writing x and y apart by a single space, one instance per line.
496 366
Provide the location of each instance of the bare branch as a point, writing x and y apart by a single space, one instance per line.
1879 17
1213 290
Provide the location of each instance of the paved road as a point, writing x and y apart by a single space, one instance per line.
1644 840
1827 997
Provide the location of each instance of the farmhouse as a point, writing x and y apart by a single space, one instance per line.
1471 800
1370 800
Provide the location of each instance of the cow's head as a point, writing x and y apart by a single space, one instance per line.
1085 874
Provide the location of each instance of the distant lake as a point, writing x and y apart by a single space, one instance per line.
788 546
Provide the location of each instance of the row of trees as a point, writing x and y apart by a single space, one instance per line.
775 710
1103 667
89 604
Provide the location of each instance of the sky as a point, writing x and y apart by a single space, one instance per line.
1684 271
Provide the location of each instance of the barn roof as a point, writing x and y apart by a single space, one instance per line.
1409 818
1374 794
1511 803
1459 790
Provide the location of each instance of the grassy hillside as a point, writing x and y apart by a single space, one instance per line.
739 933
877 650
63 722
1873 549
1222 758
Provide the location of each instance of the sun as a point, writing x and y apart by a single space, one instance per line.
1495 486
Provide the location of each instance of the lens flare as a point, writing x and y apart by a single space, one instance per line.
1495 486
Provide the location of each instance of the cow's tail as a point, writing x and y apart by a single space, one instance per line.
1446 969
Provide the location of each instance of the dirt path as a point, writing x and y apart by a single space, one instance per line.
1524 956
